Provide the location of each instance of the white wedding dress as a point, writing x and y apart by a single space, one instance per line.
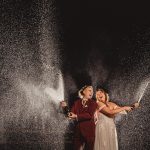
105 133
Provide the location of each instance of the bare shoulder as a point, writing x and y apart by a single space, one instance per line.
112 104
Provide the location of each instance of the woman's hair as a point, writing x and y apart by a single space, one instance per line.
80 93
105 93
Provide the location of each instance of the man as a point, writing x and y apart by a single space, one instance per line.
83 113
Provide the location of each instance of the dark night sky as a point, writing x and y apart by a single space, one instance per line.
113 31
93 34
90 31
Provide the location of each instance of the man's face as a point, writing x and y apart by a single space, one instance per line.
100 96
88 93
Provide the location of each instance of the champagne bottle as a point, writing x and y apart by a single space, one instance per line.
66 109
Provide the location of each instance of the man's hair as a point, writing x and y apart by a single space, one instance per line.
80 93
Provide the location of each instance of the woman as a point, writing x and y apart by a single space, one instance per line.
105 133
83 113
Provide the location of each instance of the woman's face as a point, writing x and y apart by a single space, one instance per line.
88 93
100 96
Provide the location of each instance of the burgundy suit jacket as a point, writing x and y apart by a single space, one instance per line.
85 117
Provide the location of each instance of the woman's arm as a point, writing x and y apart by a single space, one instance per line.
110 112
135 105
113 105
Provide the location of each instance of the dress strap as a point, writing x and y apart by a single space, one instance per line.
101 107
95 117
96 113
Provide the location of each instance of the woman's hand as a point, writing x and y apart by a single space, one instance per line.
136 105
127 108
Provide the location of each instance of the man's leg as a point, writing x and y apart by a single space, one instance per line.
78 141
78 144
89 143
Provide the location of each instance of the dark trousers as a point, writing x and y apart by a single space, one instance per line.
83 142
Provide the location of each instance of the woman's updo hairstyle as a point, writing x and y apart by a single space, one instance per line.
103 91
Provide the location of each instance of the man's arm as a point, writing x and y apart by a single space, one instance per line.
85 115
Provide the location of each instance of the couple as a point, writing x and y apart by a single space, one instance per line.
95 128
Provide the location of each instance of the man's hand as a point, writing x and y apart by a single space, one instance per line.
128 108
63 104
72 115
